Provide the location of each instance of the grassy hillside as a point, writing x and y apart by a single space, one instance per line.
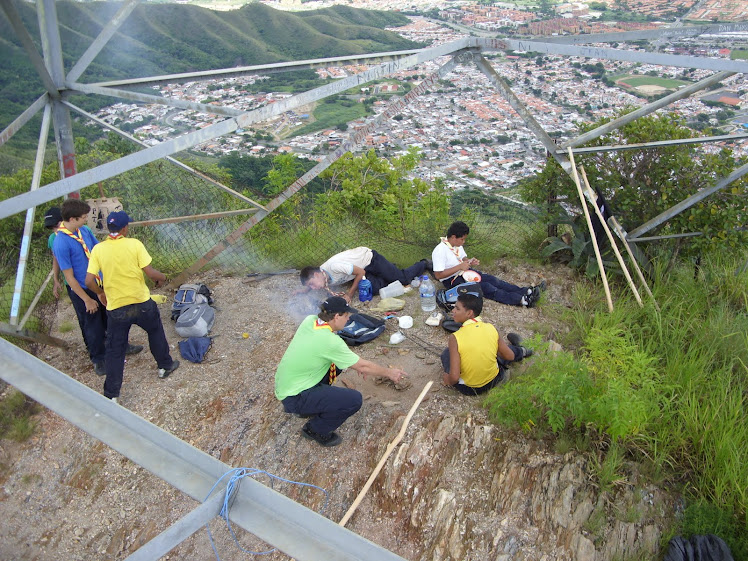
168 38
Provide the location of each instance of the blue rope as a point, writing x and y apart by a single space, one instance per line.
235 476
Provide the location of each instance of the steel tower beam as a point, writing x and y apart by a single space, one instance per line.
28 44
611 54
61 187
148 98
50 34
23 118
28 225
645 110
503 86
623 36
659 143
177 163
687 203
259 69
274 518
95 48
393 108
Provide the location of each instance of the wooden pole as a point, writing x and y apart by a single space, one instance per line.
592 231
591 197
387 452
622 235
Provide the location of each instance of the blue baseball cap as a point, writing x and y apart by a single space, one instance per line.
117 220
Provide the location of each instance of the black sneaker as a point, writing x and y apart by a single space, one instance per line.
514 338
164 372
526 352
133 349
429 265
326 440
99 368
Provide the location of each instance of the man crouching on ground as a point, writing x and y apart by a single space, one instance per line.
309 367
474 361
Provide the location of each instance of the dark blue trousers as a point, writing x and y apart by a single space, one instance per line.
93 326
494 289
501 363
328 406
145 316
381 272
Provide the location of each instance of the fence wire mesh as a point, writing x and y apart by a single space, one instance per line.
292 237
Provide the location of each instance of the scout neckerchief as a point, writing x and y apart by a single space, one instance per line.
333 372
453 249
79 238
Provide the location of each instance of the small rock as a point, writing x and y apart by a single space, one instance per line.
390 403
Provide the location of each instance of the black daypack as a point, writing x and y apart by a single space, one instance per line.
361 328
187 295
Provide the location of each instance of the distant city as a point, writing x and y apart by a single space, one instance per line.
467 132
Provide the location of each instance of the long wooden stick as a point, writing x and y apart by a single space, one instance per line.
592 231
591 197
390 448
622 236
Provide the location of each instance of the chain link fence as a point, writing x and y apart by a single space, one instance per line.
292 237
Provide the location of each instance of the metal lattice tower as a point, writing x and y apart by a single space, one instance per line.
272 517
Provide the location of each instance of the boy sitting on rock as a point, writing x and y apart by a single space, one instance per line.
476 356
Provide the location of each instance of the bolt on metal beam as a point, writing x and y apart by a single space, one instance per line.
100 42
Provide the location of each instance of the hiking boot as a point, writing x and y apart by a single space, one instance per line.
164 372
133 349
99 368
326 440
514 338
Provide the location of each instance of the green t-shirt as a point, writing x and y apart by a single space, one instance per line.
313 349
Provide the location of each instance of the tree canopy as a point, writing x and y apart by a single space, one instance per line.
642 183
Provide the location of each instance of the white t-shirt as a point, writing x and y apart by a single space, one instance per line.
340 266
446 256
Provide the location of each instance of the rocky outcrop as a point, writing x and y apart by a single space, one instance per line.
470 494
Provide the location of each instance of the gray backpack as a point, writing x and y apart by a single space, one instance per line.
196 320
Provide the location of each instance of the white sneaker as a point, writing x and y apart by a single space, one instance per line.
115 400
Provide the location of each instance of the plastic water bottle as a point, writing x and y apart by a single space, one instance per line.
428 294
364 290
416 282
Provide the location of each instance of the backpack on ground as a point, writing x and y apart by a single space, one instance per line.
196 320
446 298
188 295
361 328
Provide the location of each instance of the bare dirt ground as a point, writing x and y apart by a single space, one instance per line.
64 495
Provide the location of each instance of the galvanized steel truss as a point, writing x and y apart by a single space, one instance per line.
272 517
